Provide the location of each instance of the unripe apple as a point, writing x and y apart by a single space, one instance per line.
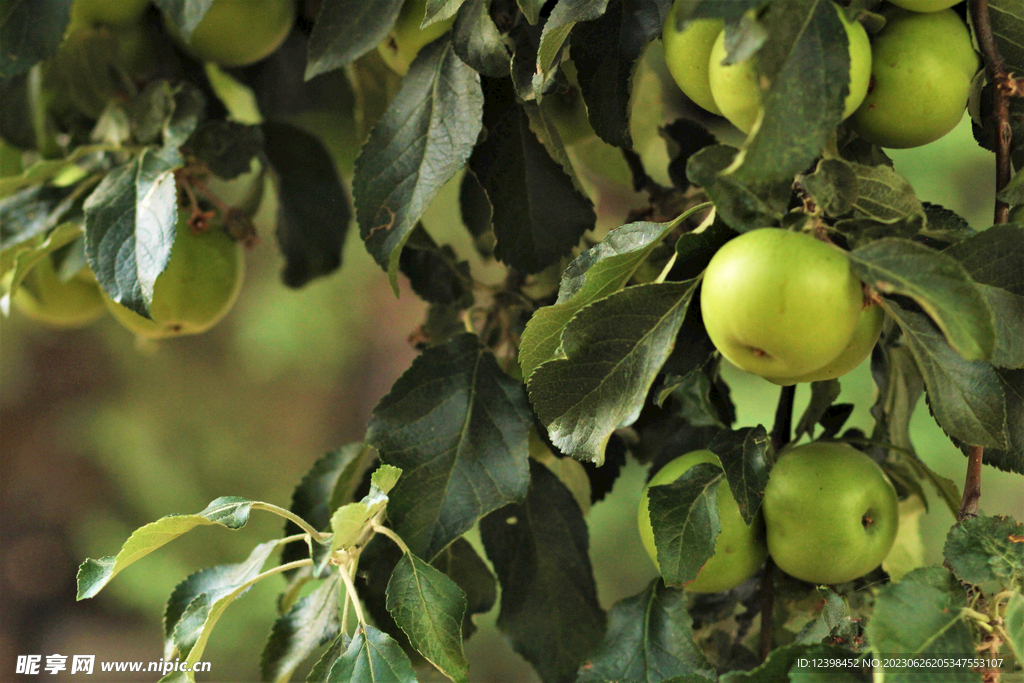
110 12
865 336
43 297
688 54
238 32
780 304
830 512
922 67
736 87
197 288
739 549
406 37
924 5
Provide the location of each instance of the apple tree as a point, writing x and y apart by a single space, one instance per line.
138 140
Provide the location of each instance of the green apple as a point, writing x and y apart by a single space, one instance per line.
739 549
922 67
924 5
406 37
688 54
736 89
865 336
197 288
110 12
780 304
239 32
43 297
831 513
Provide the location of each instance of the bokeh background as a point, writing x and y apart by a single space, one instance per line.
100 434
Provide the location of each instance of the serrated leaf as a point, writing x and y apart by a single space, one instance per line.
833 186
424 139
227 511
611 351
429 607
313 210
885 196
1013 623
477 40
1011 458
185 15
833 610
1008 314
742 206
130 221
601 270
439 10
823 395
684 516
349 522
649 639
345 30
322 668
458 426
921 616
563 17
385 477
935 281
744 456
965 396
30 31
993 257
311 622
987 549
462 565
1007 18
549 606
372 656
226 147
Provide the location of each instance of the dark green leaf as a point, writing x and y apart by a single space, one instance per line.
649 639
965 396
920 616
784 664
945 225
935 281
185 14
345 30
93 575
477 41
476 212
611 351
1007 17
531 9
32 212
130 223
744 456
684 516
833 611
993 257
539 214
435 272
549 606
424 139
596 273
372 657
1008 313
885 196
987 549
311 622
313 211
564 16
833 186
463 566
227 148
322 668
30 31
16 113
741 206
429 607
439 10
1011 458
459 428
823 395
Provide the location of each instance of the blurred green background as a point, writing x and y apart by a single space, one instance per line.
101 435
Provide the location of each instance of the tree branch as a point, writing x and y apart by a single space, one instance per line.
1004 86
972 485
783 417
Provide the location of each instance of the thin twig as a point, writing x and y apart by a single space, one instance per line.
972 485
783 417
1000 100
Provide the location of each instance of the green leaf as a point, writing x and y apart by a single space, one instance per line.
823 395
349 522
458 426
345 30
1011 458
595 274
938 284
684 516
31 213
439 10
429 607
1007 17
531 9
27 257
885 196
227 511
1013 623
612 351
130 221
424 139
966 396
744 455
30 31
549 606
921 616
741 205
372 657
649 639
783 664
833 611
993 257
311 622
39 172
185 15
478 42
563 17
322 668
987 549
833 186
462 565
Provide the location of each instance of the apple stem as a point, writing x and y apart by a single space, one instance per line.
767 610
783 417
972 485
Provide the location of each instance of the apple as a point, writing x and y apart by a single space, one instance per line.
830 512
865 336
924 5
739 549
43 297
922 67
238 32
688 54
109 12
197 288
780 304
736 89
406 38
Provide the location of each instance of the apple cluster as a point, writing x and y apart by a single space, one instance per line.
908 85
829 515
